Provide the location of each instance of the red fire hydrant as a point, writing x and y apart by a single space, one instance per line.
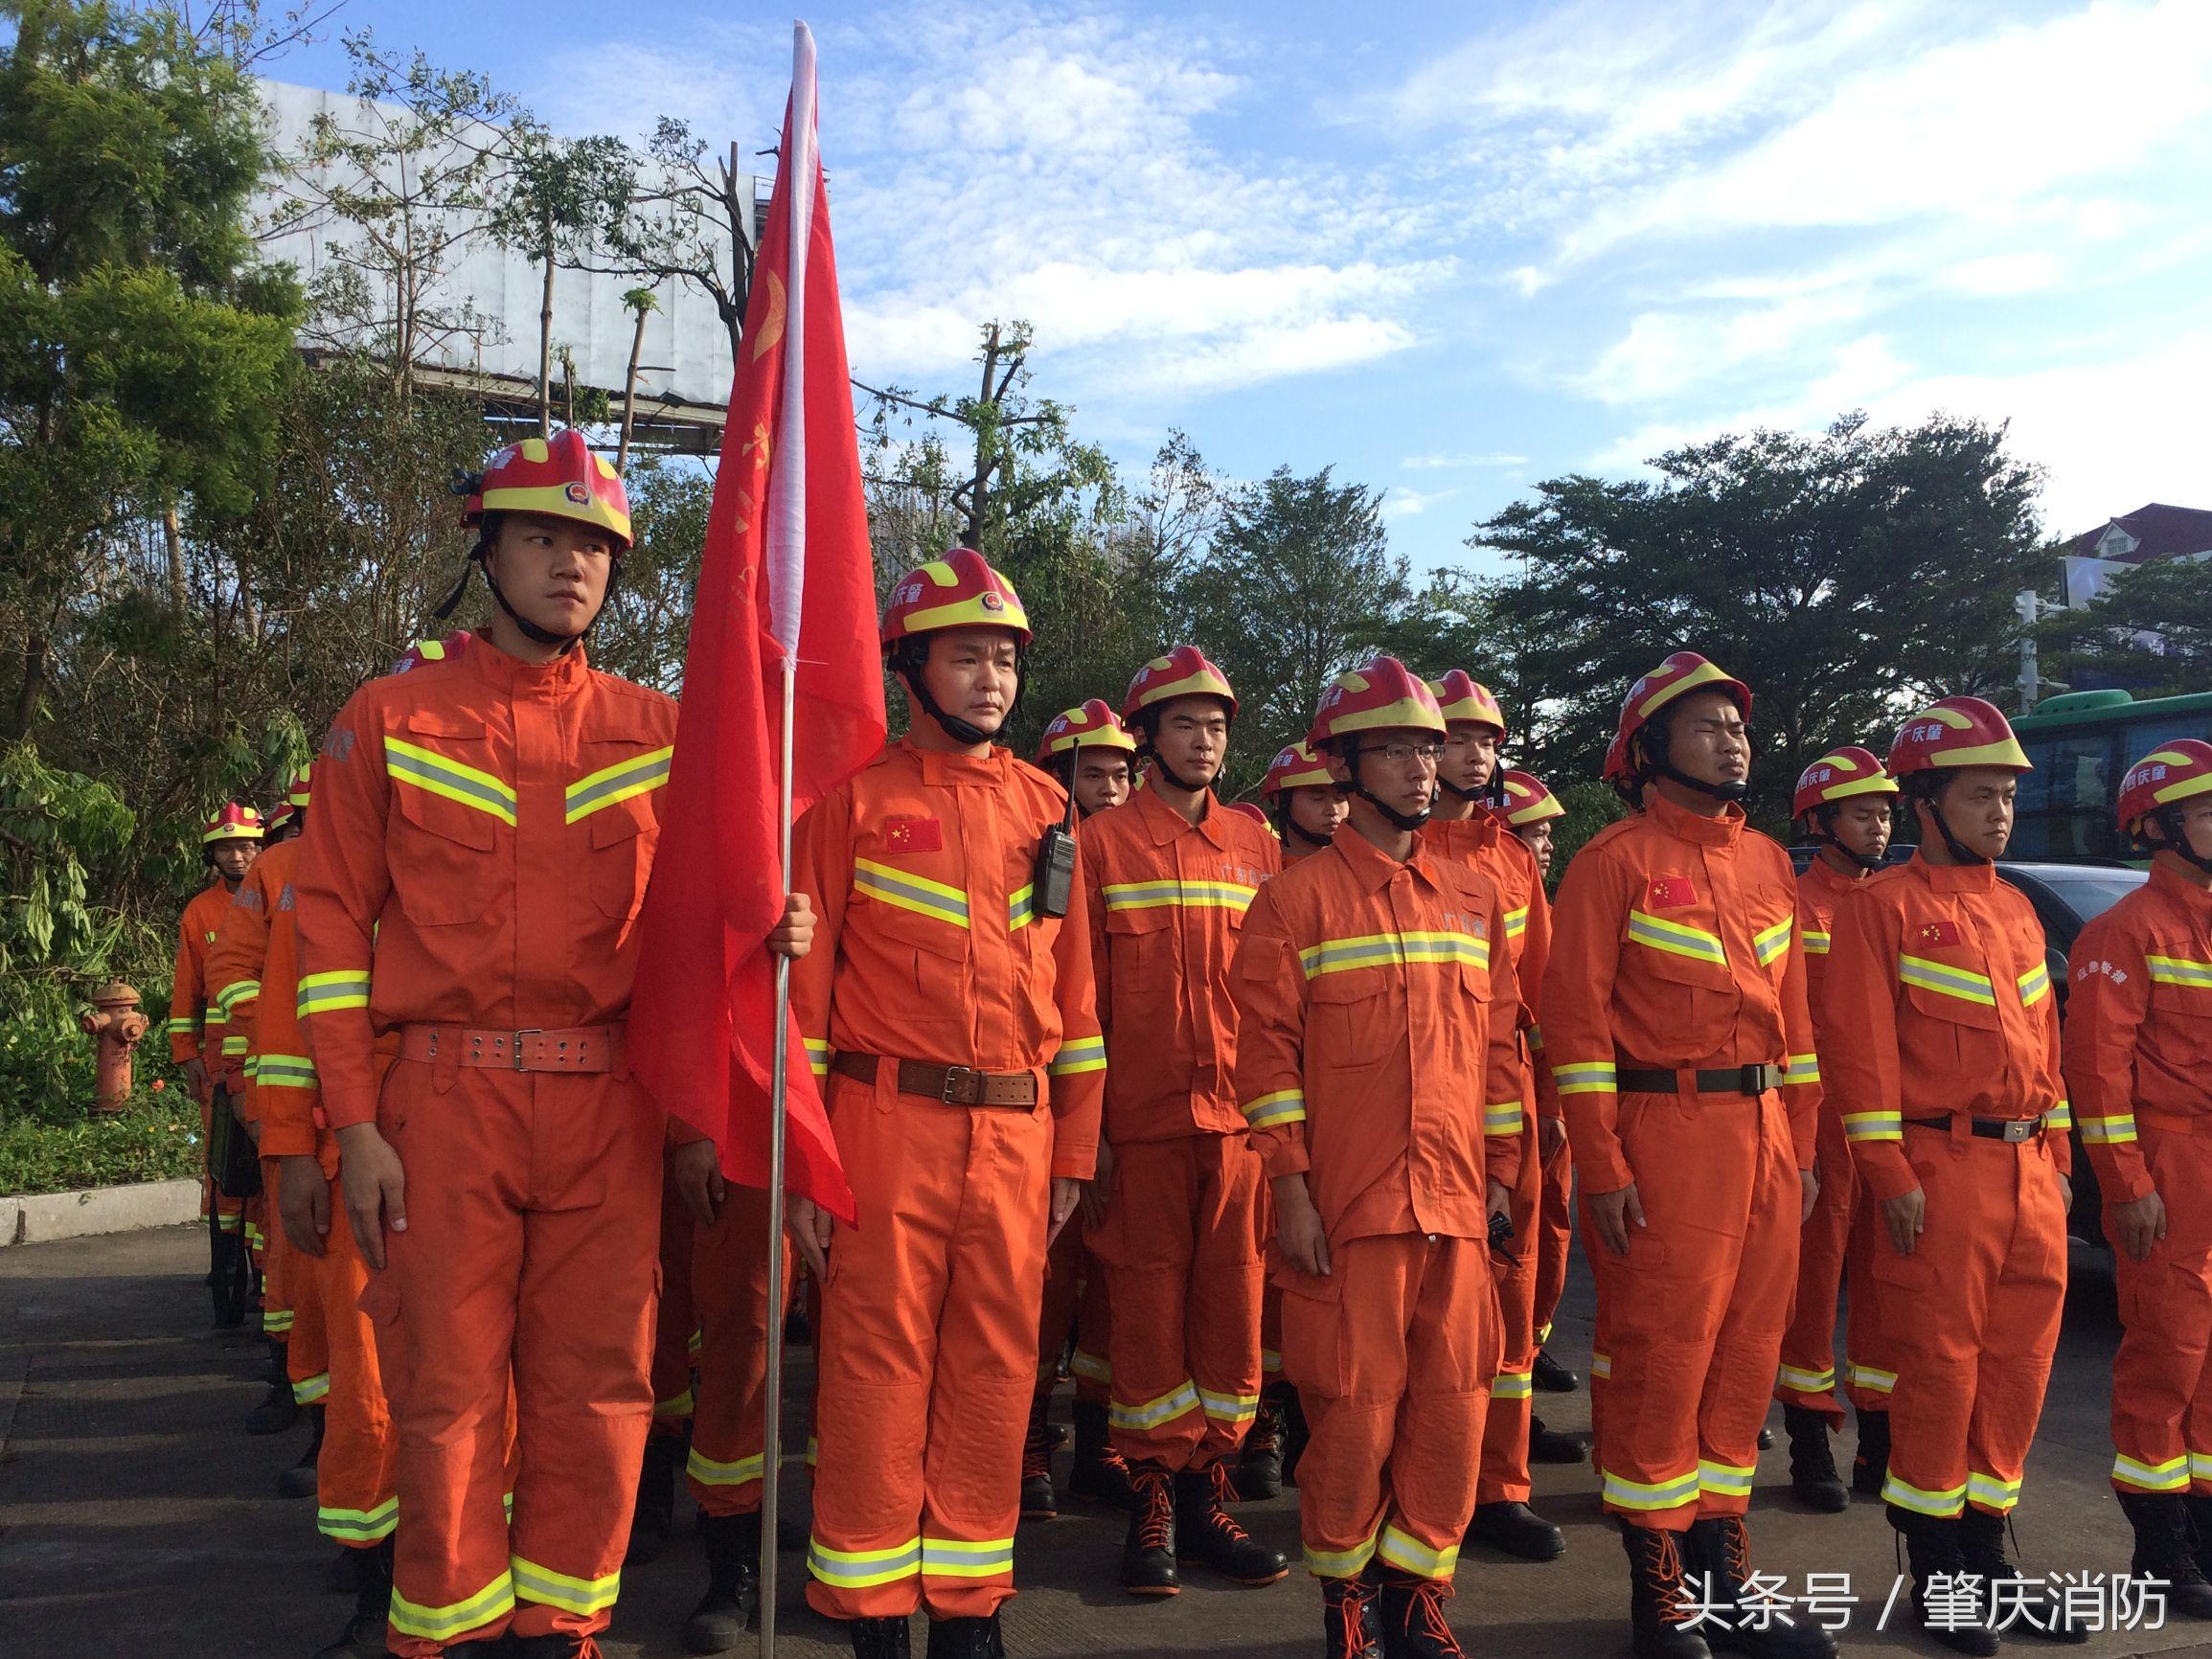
114 1022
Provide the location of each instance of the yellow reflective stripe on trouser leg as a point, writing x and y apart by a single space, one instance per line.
1229 1408
1922 1500
862 1569
1407 1552
966 1557
1153 1413
1671 1493
2170 1476
359 1526
582 1597
709 1472
1342 1563
454 1618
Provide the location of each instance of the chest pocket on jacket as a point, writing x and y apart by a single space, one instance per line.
1947 984
451 807
1350 1019
925 922
1140 941
622 846
2181 981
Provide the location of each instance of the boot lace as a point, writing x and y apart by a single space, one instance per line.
1218 1516
1035 1448
1736 1546
1813 1456
1156 1526
1667 1576
1351 1605
1424 1615
1264 1434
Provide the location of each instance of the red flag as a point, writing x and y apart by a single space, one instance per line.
787 571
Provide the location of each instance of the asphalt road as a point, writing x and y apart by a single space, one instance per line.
137 1518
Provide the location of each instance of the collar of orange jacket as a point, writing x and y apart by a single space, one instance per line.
557 678
1166 823
1828 876
949 767
1720 831
2179 888
1374 867
1955 877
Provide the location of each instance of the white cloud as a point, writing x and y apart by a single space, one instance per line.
1460 462
1400 502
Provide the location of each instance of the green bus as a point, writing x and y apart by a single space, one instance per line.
2081 742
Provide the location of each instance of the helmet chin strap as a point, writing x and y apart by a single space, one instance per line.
1286 826
1959 853
2169 819
531 630
1655 756
1823 822
961 731
1161 765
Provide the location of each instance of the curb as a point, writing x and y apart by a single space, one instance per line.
41 1217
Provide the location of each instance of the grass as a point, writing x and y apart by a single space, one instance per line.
155 1138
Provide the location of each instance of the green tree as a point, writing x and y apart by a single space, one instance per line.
141 351
2151 630
1841 574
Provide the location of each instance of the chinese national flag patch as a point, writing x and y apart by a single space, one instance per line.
1671 893
1935 935
914 835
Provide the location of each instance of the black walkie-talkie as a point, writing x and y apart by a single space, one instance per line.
1052 884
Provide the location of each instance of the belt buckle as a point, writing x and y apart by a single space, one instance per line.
2021 1128
514 1042
962 1087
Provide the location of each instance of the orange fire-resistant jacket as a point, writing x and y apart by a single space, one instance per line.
1820 892
1168 899
1937 972
234 962
2138 1037
1675 947
1487 842
927 945
194 1019
285 1098
483 828
1377 1043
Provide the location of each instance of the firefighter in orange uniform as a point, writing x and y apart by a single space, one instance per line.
485 828
1094 758
1531 809
1676 1025
949 1006
1172 873
1842 805
228 845
1304 803
2138 1059
1468 826
1377 1012
1952 1098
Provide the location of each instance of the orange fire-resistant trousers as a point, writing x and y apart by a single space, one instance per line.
2161 1385
1504 1475
1183 1272
730 1282
1075 1300
1392 1355
676 1339
1972 1316
355 1492
1555 1237
927 1354
290 1312
533 1211
1807 1375
1690 1321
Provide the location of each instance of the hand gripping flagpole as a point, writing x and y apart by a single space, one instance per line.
787 562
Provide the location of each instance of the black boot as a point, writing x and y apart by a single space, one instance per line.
1039 1501
343 1575
966 1639
1148 1551
1295 1434
1097 1474
300 1480
1555 1445
278 1410
1813 1475
1660 1596
231 1280
1766 1439
2041 1606
1870 1463
1205 1532
1260 1460
1517 1530
879 1638
1932 1552
654 1516
1351 1619
1722 1547
1551 1377
2200 1532
1413 1622
2163 1541
733 1546
363 1637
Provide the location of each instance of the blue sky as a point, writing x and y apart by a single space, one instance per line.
1455 249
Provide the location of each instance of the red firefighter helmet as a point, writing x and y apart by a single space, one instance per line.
280 817
1683 672
1090 725
1183 673
559 476
1463 697
960 590
1381 693
1257 814
1837 776
296 795
1295 767
2170 774
443 650
1528 801
235 822
1954 733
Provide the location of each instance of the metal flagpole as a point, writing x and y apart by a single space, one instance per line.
772 1405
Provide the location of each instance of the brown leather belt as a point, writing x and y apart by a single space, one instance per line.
1633 1078
954 1085
581 1048
2013 1130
